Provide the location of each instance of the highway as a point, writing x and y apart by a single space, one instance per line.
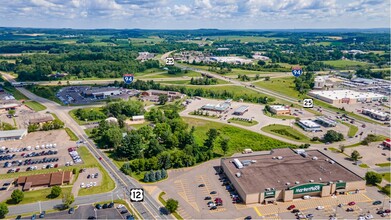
149 209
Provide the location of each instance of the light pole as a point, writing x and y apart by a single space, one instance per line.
96 216
40 208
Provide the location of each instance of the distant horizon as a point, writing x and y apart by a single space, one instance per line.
195 14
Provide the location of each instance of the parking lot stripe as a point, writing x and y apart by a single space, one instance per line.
257 211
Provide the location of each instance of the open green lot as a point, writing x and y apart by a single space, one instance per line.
257 39
166 75
239 138
80 122
284 86
345 64
386 176
18 95
187 82
72 135
36 106
352 129
286 132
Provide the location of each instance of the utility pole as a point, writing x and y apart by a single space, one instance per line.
40 208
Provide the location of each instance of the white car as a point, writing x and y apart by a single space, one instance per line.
120 206
320 207
94 184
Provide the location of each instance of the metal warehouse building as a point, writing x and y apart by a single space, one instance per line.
284 175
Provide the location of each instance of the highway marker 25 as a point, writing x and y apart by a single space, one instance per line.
308 103
136 195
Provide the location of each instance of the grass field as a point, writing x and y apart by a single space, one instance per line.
187 82
284 86
386 176
286 132
72 135
39 195
80 122
352 129
18 95
36 106
166 75
239 138
244 123
256 39
345 64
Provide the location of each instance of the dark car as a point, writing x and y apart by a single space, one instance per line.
248 218
213 208
380 212
295 211
208 198
349 209
201 185
18 217
291 207
71 211
376 202
124 211
42 215
88 176
213 192
129 217
91 217
98 206
105 206
33 217
111 205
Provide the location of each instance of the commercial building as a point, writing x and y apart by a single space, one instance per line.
39 118
102 93
280 110
241 110
327 122
284 175
346 96
138 118
221 107
12 135
376 114
48 180
309 125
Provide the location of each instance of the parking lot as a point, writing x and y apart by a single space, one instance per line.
371 154
184 186
38 150
90 177
87 212
357 107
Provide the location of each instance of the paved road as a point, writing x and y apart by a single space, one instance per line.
149 209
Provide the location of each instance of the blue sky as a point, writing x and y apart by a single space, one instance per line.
192 14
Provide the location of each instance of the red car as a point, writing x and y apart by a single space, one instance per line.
100 158
387 211
351 203
291 207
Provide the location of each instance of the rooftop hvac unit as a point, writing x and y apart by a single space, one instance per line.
332 162
253 161
327 160
340 181
238 175
311 181
279 157
320 179
274 158
273 189
315 158
267 189
288 183
297 182
299 151
330 182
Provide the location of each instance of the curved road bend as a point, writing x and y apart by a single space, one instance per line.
149 209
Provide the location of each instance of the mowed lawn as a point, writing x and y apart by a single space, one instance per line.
352 129
386 176
39 195
36 106
239 139
284 85
286 132
166 75
345 64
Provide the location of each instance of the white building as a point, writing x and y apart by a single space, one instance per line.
319 82
12 135
376 114
309 125
346 96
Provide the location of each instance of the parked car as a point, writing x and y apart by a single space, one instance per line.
295 211
105 206
129 217
201 185
248 218
111 205
291 207
98 206
351 203
18 217
349 209
213 208
320 207
208 198
33 217
213 192
71 211
124 211
376 202
42 215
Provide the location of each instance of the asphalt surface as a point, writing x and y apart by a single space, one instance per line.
149 209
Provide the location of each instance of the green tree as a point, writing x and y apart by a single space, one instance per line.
17 196
373 178
212 135
158 175
55 192
163 173
224 145
172 205
152 177
355 155
146 177
67 200
11 112
111 138
163 99
332 136
3 210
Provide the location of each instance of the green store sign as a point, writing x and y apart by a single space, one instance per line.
307 188
341 185
270 194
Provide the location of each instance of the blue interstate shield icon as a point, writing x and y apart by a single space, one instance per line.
296 72
128 78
